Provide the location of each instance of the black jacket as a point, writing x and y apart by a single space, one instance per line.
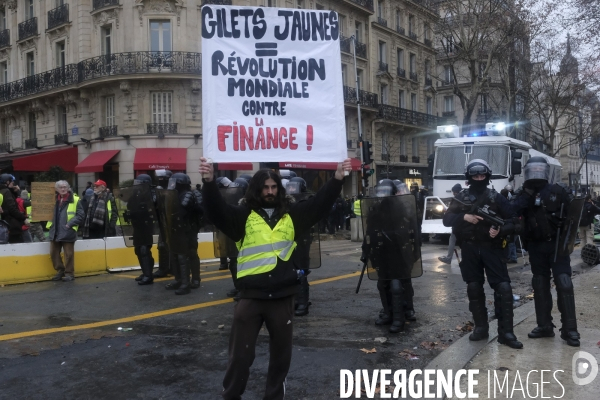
282 281
11 213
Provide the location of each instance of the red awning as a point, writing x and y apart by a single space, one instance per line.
318 165
95 161
65 158
241 166
165 158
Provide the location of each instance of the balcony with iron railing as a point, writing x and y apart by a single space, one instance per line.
367 99
409 117
400 30
368 4
4 38
382 21
61 138
428 42
401 72
28 28
383 67
412 35
161 129
217 2
416 159
99 4
413 76
448 114
349 143
31 143
107 131
403 158
447 83
4 147
346 47
116 64
428 81
385 157
58 16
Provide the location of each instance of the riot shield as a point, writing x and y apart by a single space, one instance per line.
223 246
308 245
137 216
570 226
175 227
391 237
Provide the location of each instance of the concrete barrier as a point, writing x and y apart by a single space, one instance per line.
30 262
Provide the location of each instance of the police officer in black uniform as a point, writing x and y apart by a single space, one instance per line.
391 292
301 257
540 203
223 182
482 246
162 176
190 214
142 232
243 183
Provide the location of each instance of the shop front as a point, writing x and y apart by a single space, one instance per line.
405 173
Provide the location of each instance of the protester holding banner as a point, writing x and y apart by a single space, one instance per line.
68 215
265 221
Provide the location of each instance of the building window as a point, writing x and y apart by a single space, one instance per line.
29 9
342 24
4 127
413 63
358 28
359 77
3 72
30 66
413 101
400 58
427 68
401 100
403 145
384 94
411 24
2 19
61 115
482 67
448 44
426 31
344 74
380 9
448 76
484 104
60 54
448 103
161 107
320 7
271 3
160 35
32 125
299 3
430 145
429 104
110 111
106 35
398 19
415 146
382 52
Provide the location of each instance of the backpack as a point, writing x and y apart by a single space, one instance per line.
4 231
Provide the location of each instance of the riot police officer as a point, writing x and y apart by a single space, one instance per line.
242 184
482 245
544 206
190 212
162 176
223 182
142 219
391 291
296 187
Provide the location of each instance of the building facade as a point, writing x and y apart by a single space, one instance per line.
120 82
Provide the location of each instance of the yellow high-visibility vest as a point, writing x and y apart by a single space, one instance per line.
260 248
71 211
357 208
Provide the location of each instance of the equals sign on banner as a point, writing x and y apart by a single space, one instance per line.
266 49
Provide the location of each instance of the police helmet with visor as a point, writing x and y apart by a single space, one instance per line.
385 187
477 167
401 187
222 182
142 179
178 181
296 185
4 178
242 183
536 169
163 176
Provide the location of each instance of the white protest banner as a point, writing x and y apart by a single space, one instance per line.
271 85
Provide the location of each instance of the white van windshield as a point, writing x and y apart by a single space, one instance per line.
451 160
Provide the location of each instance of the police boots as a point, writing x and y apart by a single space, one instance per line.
184 271
174 263
566 306
409 293
302 298
223 264
477 307
385 315
397 306
195 267
542 298
163 262
506 334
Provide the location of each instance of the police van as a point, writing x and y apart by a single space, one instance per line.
505 155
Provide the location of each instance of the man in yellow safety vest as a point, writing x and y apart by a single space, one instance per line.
265 227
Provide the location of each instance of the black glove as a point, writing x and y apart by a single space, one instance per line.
364 257
189 201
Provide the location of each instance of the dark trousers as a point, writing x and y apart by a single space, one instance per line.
68 248
15 238
541 257
248 318
478 259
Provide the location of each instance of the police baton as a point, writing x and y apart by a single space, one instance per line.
362 273
558 231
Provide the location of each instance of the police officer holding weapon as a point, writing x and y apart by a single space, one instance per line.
551 217
162 176
482 219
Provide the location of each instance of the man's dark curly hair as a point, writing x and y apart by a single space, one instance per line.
253 194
